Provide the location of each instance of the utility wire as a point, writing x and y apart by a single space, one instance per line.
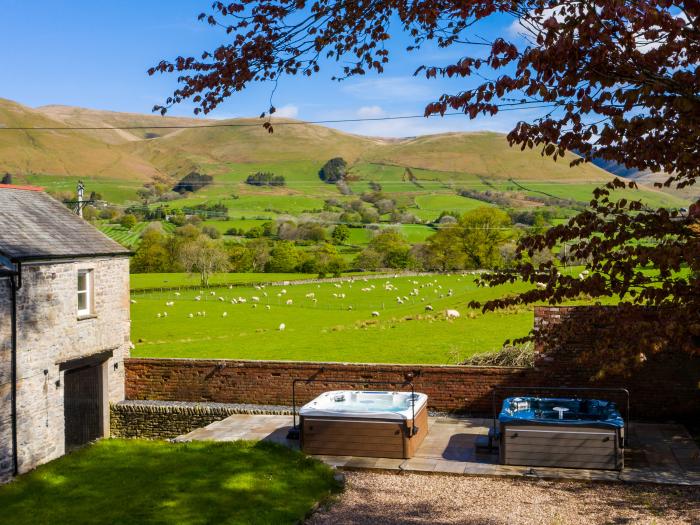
254 124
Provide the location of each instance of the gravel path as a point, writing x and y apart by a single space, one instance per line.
374 498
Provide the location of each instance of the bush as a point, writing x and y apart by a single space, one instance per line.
510 355
128 221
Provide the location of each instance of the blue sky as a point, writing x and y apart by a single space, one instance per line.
95 54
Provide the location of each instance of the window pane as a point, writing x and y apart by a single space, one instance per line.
82 301
82 281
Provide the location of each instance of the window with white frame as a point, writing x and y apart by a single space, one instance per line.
85 299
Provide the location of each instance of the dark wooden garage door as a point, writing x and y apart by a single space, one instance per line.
82 405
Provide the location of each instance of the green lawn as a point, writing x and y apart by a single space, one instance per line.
327 329
156 482
430 206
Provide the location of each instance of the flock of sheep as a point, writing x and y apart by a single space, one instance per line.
419 292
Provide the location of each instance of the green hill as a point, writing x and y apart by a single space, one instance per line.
118 162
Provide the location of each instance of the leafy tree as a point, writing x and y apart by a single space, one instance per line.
334 170
192 182
211 232
283 258
341 233
128 221
387 249
265 178
615 80
205 257
240 258
259 254
152 254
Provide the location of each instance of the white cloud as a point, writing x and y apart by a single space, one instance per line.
370 112
288 111
389 88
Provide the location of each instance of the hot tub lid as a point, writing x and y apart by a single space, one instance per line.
364 404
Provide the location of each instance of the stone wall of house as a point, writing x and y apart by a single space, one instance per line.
49 333
664 387
163 420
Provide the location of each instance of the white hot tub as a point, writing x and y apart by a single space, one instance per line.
364 423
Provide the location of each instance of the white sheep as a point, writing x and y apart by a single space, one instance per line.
541 286
169 303
310 295
133 301
234 301
281 327
267 306
428 308
225 314
221 299
283 291
241 300
198 298
212 293
375 314
165 314
177 294
255 299
452 314
190 316
158 315
289 301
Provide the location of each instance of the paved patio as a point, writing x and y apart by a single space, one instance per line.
656 453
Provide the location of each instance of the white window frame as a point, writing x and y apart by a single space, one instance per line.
88 310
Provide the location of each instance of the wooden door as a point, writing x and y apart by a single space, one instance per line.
82 405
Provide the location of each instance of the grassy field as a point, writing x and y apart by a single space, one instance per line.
333 324
156 482
152 281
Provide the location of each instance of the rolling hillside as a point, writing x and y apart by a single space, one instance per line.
118 162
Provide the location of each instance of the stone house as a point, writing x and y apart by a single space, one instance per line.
64 329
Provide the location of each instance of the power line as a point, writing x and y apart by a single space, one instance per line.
257 124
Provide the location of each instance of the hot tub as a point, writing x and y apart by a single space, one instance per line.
561 432
361 423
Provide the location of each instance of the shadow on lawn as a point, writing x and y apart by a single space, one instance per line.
122 481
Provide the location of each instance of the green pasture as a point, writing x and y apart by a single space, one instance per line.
430 206
151 281
326 321
117 191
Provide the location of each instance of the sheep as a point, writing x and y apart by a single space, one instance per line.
289 301
257 287
264 294
234 301
204 314
212 293
310 295
198 298
190 316
165 314
428 308
158 315
350 307
133 301
342 296
241 300
255 299
281 327
177 294
199 314
283 291
169 303
452 314
375 314
255 305
541 286
267 306
225 314
221 299
230 287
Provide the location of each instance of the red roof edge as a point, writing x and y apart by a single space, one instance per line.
16 187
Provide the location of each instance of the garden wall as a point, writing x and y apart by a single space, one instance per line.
167 420
665 387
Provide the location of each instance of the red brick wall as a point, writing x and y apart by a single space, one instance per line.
664 388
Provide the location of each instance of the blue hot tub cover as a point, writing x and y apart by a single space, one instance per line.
588 412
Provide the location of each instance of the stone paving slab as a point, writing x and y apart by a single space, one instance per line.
656 453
